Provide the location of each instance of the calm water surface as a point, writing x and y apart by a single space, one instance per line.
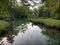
23 32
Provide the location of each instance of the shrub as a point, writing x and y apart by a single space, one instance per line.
3 25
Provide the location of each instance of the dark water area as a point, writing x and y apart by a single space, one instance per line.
22 32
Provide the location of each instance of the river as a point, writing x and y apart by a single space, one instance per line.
26 33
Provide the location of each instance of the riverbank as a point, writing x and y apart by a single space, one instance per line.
4 25
51 23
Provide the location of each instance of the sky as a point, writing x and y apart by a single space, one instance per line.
33 4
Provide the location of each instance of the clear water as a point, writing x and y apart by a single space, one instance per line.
26 33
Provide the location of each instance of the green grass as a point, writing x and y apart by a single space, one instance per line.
3 25
47 22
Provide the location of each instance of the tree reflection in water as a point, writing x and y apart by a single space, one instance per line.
11 33
54 36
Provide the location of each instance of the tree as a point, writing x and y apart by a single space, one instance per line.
53 7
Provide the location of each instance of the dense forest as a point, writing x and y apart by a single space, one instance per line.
10 10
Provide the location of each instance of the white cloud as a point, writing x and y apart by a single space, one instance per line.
18 0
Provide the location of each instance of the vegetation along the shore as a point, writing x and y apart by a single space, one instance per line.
10 11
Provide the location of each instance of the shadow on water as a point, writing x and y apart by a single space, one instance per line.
24 32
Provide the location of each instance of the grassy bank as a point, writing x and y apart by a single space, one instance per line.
3 25
47 22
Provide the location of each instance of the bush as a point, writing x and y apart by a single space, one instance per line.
44 12
21 12
3 25
57 16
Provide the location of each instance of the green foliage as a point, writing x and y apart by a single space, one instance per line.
3 25
47 22
3 9
52 9
4 6
57 11
43 12
9 10
21 12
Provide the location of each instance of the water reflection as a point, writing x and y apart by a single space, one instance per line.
54 36
7 37
28 33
